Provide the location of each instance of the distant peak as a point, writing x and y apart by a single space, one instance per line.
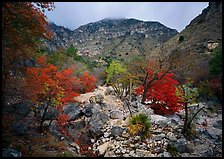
113 18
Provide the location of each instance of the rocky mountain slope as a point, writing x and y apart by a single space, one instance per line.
199 38
112 37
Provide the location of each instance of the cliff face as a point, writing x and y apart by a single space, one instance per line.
112 37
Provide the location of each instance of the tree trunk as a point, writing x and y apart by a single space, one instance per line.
130 89
184 130
43 116
144 95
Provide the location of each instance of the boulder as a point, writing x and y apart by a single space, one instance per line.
88 110
171 136
116 115
146 110
55 130
161 121
97 121
102 148
23 108
21 127
181 145
98 98
158 137
108 91
73 110
116 131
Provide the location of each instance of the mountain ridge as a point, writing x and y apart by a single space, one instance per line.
112 37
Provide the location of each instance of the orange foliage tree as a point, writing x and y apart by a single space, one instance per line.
22 23
156 83
49 87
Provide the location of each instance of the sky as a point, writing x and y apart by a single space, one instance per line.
175 15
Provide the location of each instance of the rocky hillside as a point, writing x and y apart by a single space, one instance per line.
199 38
112 37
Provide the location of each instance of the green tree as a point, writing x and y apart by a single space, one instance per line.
117 77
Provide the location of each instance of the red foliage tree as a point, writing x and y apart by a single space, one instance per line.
162 93
87 82
22 23
47 86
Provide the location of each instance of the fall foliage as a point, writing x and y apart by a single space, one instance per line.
163 94
48 86
22 24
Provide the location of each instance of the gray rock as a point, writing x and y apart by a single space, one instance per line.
134 104
108 91
158 137
132 153
88 110
95 107
73 110
218 124
106 134
76 146
97 122
161 121
109 154
116 115
102 148
10 153
166 154
126 155
55 131
98 98
23 108
180 145
21 127
116 131
214 133
207 153
171 136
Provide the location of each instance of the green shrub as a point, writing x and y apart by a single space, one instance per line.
139 124
216 62
67 154
204 90
172 150
181 39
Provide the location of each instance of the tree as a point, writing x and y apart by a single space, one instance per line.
22 24
87 82
162 92
49 87
216 62
186 71
115 72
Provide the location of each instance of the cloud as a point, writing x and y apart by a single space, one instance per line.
176 15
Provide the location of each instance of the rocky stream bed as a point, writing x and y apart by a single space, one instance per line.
99 121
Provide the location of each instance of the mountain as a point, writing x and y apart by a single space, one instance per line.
112 37
193 47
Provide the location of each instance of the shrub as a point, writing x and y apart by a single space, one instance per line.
139 124
216 62
204 90
172 150
181 39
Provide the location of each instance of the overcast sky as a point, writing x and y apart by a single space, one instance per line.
175 15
